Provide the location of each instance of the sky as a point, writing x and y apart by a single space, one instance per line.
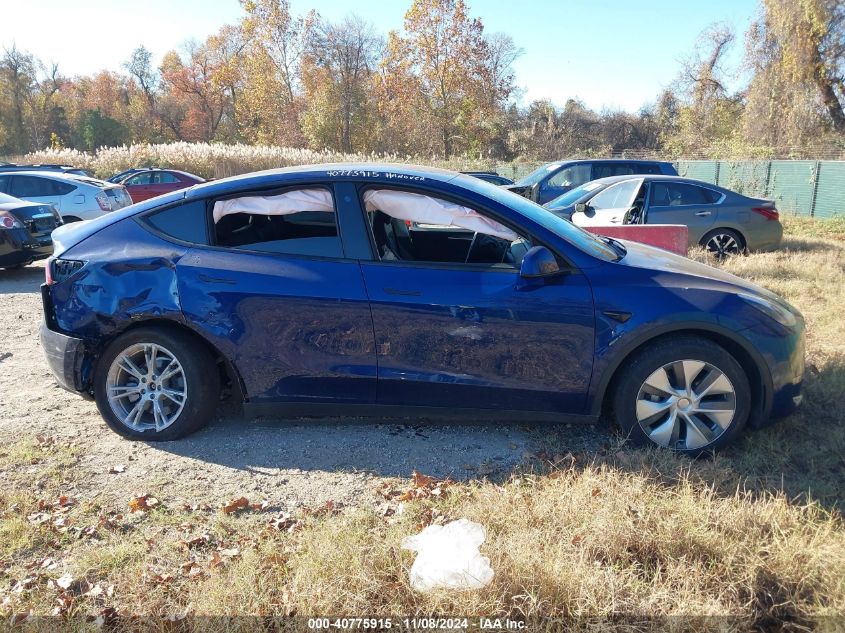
616 54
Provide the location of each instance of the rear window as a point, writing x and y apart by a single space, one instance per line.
186 222
295 222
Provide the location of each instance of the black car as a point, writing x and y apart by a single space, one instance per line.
490 176
555 179
25 229
62 169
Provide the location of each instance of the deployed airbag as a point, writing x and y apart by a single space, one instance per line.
282 204
416 207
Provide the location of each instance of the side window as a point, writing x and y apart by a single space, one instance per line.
605 170
139 179
296 222
417 227
616 196
31 187
648 168
164 178
5 184
675 194
62 188
570 177
187 222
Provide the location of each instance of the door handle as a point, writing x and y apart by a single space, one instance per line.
402 293
701 213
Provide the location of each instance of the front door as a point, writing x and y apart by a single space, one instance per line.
456 325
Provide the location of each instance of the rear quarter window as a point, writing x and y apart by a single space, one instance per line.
187 222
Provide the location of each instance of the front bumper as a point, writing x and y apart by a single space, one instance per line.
65 357
18 246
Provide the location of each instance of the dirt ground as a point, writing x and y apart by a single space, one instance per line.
288 462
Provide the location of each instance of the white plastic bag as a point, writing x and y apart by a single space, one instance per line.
448 557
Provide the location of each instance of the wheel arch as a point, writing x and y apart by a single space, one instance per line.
732 229
759 378
229 373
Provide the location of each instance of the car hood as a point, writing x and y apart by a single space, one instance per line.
661 261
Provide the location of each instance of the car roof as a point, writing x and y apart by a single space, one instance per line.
662 177
64 177
388 173
568 161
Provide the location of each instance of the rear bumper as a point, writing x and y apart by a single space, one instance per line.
765 236
18 246
65 357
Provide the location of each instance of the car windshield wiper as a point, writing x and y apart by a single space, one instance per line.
615 245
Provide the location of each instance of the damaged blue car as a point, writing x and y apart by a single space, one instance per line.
393 290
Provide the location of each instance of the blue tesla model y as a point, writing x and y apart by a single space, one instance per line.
394 290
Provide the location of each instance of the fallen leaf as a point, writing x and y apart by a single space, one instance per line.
260 506
119 468
596 492
231 552
285 523
236 504
65 581
143 503
197 541
420 480
577 539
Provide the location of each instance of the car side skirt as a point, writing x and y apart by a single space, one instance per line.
370 410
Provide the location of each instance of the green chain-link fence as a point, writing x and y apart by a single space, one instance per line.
804 187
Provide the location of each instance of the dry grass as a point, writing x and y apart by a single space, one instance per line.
754 533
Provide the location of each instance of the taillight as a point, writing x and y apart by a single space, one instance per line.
58 270
8 221
766 212
104 202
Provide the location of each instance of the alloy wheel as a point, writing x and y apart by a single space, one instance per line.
722 244
686 405
146 387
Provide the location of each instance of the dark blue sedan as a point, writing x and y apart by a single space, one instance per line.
394 290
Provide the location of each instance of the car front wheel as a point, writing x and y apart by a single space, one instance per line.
723 243
151 384
686 394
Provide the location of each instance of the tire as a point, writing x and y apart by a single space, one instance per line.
181 403
705 418
723 243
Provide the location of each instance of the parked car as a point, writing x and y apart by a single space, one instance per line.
490 176
305 291
149 183
25 229
722 221
554 179
75 197
62 169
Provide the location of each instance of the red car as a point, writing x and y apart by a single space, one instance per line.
150 183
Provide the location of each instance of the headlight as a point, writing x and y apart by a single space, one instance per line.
772 309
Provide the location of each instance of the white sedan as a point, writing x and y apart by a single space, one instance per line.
74 197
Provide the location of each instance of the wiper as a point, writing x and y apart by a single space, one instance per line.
616 245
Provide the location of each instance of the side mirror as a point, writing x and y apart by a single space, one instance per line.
534 192
538 262
583 207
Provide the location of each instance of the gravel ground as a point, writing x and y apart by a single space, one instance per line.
288 462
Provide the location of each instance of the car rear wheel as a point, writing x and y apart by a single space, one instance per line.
686 394
723 243
153 385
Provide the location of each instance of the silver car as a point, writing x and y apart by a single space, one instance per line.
74 197
722 221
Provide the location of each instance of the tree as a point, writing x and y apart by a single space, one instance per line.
337 74
444 56
796 51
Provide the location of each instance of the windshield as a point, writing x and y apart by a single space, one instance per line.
573 196
581 239
537 175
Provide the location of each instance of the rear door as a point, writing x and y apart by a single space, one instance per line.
683 203
38 189
281 297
